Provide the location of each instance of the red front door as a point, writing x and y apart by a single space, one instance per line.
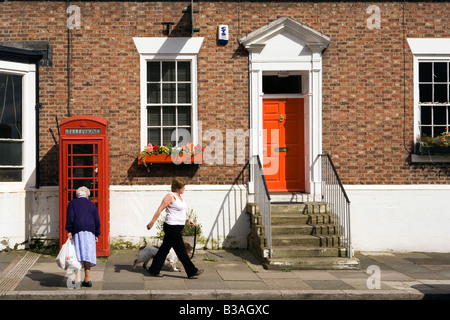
284 165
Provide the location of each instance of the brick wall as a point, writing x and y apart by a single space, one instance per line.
363 79
368 125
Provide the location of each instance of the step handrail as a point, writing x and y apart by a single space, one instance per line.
334 194
262 199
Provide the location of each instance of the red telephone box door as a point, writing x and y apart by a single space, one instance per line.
84 161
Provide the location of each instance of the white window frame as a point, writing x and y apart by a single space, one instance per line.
172 49
193 83
28 73
420 105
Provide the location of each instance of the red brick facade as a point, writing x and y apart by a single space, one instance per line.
367 79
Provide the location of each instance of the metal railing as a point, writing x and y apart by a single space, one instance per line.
333 193
262 199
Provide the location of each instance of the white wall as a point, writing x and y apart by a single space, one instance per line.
28 213
220 211
393 218
400 218
12 218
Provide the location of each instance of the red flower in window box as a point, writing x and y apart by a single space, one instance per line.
188 154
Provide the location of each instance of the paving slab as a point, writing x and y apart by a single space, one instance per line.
236 275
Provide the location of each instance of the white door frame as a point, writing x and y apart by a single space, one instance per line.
287 45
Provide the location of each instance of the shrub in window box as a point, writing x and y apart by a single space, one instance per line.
439 145
188 154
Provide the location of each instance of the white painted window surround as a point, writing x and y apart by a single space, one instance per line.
161 48
28 73
426 50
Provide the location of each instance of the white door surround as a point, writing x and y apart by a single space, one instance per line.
288 46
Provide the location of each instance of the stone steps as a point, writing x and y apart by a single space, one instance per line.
306 240
297 251
303 229
304 236
313 263
291 218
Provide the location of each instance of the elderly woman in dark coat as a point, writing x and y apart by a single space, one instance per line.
83 226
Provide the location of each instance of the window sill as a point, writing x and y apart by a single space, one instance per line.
430 158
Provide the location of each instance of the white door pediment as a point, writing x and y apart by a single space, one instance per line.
292 32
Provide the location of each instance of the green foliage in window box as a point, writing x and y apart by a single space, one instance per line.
436 145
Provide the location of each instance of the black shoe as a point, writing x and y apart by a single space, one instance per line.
86 284
155 274
199 272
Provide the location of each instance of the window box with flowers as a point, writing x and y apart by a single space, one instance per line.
433 149
439 145
187 154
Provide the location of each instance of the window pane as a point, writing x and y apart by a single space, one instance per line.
184 135
184 71
10 175
83 148
83 172
440 72
168 92
425 91
154 116
82 182
425 72
426 131
184 116
10 106
11 153
153 93
275 84
439 115
440 93
438 130
184 93
169 116
153 71
425 115
154 136
168 71
83 161
167 137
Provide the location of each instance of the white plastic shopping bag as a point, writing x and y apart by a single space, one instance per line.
67 257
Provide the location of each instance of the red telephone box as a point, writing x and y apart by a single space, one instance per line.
84 161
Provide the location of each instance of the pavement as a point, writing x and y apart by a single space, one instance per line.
229 275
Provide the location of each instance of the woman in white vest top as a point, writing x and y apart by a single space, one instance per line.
173 225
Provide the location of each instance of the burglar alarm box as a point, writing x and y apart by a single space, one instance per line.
84 161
